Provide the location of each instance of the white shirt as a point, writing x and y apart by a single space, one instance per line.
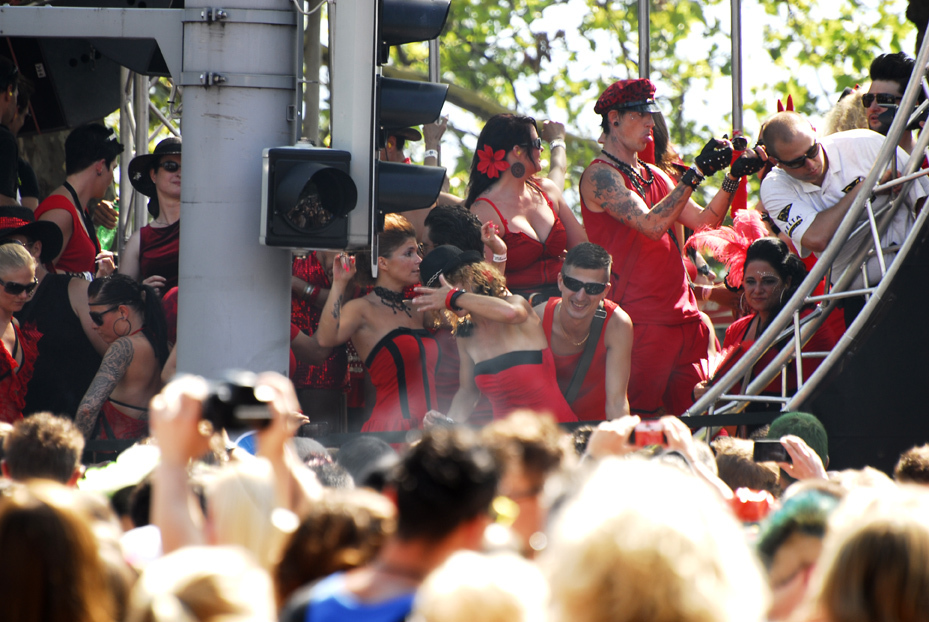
793 204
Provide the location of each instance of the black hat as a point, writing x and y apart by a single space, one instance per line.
406 133
142 164
17 219
445 259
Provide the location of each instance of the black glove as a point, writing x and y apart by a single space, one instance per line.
716 155
748 163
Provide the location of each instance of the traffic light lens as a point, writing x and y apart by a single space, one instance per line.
309 212
311 195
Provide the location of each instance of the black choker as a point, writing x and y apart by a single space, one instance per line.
637 180
392 299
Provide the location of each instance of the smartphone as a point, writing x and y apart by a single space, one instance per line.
770 451
648 433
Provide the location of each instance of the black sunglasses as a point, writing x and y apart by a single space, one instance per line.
592 289
798 162
534 144
15 289
97 318
883 99
170 165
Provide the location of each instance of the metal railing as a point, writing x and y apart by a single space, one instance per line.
861 244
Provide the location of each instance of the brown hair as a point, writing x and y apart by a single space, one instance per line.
43 446
913 466
532 439
480 278
397 230
738 470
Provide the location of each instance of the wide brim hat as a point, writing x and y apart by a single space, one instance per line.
637 95
406 133
444 259
15 219
142 164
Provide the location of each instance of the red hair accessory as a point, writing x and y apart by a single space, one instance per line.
491 162
729 244
488 275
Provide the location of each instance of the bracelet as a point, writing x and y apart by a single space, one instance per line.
451 297
499 258
558 142
730 185
308 291
692 178
454 299
431 153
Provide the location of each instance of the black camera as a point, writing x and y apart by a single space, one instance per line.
233 403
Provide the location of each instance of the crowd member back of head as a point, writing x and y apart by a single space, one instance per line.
44 446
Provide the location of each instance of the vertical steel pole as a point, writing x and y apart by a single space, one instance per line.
239 80
644 43
126 137
313 58
736 43
140 107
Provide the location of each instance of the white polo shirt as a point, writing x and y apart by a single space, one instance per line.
793 204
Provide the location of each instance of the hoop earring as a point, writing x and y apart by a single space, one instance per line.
128 323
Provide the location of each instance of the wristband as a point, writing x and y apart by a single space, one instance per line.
558 142
692 178
730 185
431 153
454 300
450 299
499 258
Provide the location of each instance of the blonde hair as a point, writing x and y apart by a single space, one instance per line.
847 114
644 541
491 588
240 502
201 583
13 256
480 278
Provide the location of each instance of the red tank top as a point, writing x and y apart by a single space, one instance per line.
402 367
158 252
532 264
648 279
80 255
590 403
522 379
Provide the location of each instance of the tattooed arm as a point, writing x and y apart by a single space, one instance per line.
696 217
112 369
604 190
341 317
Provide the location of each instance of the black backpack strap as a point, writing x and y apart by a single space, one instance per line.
596 327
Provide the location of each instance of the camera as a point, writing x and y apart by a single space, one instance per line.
770 451
234 403
648 433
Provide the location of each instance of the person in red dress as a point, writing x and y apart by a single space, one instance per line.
90 158
584 282
536 223
151 254
18 350
629 208
399 353
501 345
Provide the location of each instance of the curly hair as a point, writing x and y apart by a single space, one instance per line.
502 131
478 278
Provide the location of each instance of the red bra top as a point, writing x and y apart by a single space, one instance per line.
531 263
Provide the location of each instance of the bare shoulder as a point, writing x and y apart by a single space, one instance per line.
619 323
486 213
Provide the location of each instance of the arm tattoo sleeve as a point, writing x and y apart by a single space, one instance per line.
116 361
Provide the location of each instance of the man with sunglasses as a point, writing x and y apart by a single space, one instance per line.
568 321
9 152
815 182
889 74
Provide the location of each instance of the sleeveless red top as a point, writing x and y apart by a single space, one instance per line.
158 252
402 367
648 279
532 264
80 255
522 379
590 403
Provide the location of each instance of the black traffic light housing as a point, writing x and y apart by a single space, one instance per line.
307 195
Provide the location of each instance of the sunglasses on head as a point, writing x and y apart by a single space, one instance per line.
170 165
15 289
534 144
592 289
798 162
883 99
97 317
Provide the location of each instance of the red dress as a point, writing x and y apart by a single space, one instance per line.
402 367
447 379
80 255
158 252
15 376
590 403
522 379
532 264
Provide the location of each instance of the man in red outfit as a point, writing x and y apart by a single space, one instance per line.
629 208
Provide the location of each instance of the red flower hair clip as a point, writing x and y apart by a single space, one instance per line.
491 162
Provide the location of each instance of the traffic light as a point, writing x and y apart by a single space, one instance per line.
365 106
307 196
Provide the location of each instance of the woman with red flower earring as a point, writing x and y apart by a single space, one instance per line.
530 211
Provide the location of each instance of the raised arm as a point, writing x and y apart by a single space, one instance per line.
713 215
339 320
509 310
115 362
618 340
554 134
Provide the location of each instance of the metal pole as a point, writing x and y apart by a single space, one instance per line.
239 80
140 107
644 17
126 136
736 42
435 69
313 58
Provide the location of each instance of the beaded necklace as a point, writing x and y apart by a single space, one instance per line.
637 180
